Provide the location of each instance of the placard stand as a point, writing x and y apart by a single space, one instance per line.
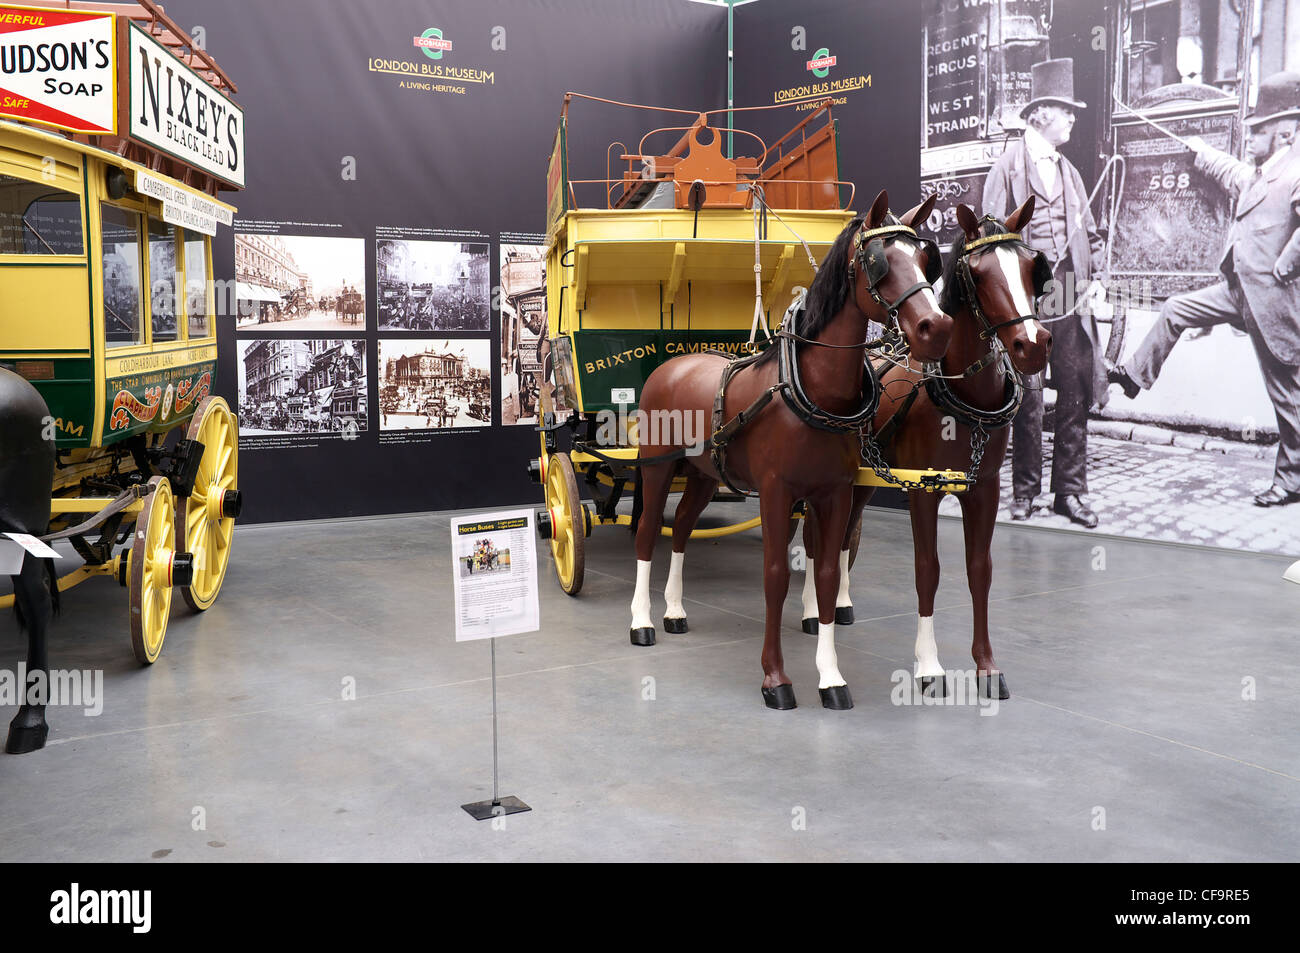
498 806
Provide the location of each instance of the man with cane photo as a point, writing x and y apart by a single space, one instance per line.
1259 293
1065 231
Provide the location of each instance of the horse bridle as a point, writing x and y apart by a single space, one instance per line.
869 256
989 330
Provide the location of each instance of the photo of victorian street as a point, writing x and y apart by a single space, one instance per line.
432 286
302 387
434 384
300 282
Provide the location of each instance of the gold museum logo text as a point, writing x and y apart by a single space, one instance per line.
432 73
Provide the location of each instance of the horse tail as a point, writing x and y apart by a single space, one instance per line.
638 503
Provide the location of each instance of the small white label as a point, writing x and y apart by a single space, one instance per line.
33 545
622 395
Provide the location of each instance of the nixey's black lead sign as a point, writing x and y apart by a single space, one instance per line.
178 112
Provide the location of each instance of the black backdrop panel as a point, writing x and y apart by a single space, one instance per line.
879 123
473 161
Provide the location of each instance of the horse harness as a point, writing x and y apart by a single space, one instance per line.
869 256
937 387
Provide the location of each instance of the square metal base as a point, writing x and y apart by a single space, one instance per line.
486 810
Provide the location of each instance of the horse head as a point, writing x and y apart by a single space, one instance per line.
998 278
892 269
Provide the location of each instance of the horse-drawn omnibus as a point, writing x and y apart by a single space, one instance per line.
674 256
108 310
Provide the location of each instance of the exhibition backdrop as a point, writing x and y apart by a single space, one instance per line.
395 204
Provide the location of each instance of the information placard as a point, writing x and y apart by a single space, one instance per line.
494 574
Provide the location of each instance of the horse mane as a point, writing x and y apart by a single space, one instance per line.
954 292
830 288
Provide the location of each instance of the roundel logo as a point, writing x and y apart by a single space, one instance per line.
821 63
432 43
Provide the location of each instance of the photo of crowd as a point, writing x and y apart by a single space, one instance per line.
432 286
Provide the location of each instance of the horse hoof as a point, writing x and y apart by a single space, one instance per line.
810 626
645 636
836 698
26 738
934 686
672 627
781 698
987 686
844 615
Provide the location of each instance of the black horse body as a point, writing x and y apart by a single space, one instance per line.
26 484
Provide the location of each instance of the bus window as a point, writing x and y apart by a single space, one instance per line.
196 284
38 219
122 258
164 280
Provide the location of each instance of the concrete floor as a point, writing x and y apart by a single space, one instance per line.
1127 686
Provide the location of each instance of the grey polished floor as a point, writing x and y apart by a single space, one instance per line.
1128 736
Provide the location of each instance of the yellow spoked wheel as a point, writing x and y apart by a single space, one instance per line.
568 522
150 571
209 515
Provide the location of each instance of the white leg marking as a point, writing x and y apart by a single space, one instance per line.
927 653
810 592
1010 262
828 666
641 597
842 599
673 590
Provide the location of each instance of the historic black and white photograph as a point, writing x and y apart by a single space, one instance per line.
525 350
1169 407
291 386
300 282
432 286
434 384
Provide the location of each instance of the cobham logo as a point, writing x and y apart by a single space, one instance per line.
432 43
102 907
821 62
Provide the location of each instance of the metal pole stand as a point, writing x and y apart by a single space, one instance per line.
498 806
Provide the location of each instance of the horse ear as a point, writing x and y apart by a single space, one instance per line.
879 209
968 221
912 217
1021 216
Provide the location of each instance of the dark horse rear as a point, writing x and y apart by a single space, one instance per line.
26 483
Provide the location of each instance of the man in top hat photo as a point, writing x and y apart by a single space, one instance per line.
1258 293
1062 228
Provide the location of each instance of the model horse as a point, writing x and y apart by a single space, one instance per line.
26 481
990 282
802 447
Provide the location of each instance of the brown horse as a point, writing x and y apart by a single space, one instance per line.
875 270
990 282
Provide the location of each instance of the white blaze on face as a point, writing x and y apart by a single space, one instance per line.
919 276
1010 262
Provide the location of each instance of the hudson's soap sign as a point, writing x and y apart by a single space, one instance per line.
57 68
175 110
